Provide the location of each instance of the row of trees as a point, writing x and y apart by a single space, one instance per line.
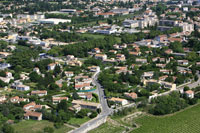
170 104
81 49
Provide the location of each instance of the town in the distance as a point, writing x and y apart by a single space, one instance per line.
99 66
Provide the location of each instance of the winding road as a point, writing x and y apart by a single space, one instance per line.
105 110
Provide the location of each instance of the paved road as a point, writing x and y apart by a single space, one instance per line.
105 111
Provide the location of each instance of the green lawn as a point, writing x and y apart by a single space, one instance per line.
37 127
186 121
78 121
108 128
99 36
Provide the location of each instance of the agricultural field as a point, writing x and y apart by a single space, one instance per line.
32 126
186 121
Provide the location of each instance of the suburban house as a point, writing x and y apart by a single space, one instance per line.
165 84
69 73
22 88
190 93
96 50
86 95
141 60
94 68
2 98
131 95
119 101
148 75
183 62
57 100
82 86
75 108
52 66
87 105
33 115
32 107
17 99
39 93
101 56
37 70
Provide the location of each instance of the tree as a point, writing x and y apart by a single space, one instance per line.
34 77
109 21
7 128
192 56
57 70
196 77
2 84
186 88
53 86
62 105
75 95
93 114
176 47
82 113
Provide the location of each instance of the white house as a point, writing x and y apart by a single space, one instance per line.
22 87
190 93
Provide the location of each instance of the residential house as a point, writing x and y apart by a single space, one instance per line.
4 54
37 70
22 88
39 93
119 101
75 108
82 86
138 60
190 93
165 84
86 95
96 50
168 51
183 62
69 73
165 71
32 107
131 95
57 100
94 68
148 75
52 66
33 115
87 105
161 65
17 99
101 56
120 57
2 99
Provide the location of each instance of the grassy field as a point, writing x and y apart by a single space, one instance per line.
98 36
186 121
78 121
108 128
37 127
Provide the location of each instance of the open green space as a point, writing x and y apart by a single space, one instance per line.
98 36
78 121
186 121
31 126
108 128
